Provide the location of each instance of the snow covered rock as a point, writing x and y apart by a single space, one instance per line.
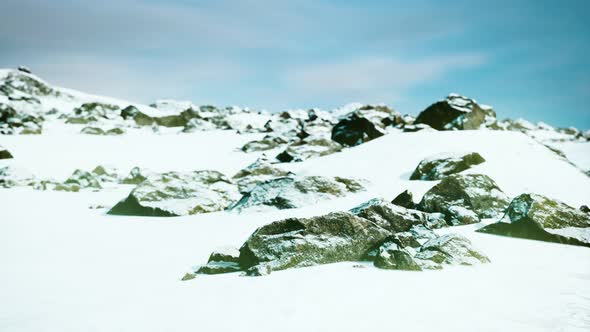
294 191
396 218
177 194
13 121
268 142
195 124
221 261
4 153
438 166
299 242
465 199
93 112
354 130
392 257
453 249
135 176
99 131
456 112
308 147
12 177
537 217
257 172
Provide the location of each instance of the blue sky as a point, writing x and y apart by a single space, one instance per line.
528 59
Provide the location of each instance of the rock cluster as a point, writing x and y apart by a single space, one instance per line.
390 236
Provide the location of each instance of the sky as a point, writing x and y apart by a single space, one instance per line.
526 58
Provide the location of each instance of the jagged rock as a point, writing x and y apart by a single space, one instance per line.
405 199
396 218
444 164
83 179
392 257
295 242
456 112
293 192
537 217
355 130
451 249
585 209
221 261
176 194
257 172
465 199
5 154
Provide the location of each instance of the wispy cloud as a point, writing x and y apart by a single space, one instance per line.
369 77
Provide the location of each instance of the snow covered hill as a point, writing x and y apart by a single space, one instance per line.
68 265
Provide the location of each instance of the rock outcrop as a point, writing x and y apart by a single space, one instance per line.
178 194
444 164
294 191
465 199
456 112
537 217
5 154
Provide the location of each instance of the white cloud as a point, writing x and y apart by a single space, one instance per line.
372 75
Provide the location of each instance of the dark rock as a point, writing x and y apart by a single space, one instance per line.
285 157
465 198
456 112
405 199
439 166
355 130
5 154
219 267
129 112
537 217
585 209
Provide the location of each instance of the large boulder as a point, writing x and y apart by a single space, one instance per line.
259 171
438 166
178 194
392 257
456 112
453 249
465 199
294 242
354 130
537 217
294 192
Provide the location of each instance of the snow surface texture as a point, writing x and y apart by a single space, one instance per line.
68 267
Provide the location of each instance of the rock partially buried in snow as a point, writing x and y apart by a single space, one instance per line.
295 191
100 131
355 130
405 199
465 199
456 112
309 147
366 233
5 154
259 171
451 249
178 194
444 164
537 217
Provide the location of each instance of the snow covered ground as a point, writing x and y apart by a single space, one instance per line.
66 267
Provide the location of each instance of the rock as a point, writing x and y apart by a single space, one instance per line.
92 112
230 255
174 120
12 177
396 218
219 268
19 122
416 127
465 198
293 192
456 112
92 131
451 249
405 199
299 242
355 130
5 154
441 165
82 179
24 69
195 124
585 209
257 172
177 194
129 112
269 142
537 217
392 257
188 276
136 176
308 147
